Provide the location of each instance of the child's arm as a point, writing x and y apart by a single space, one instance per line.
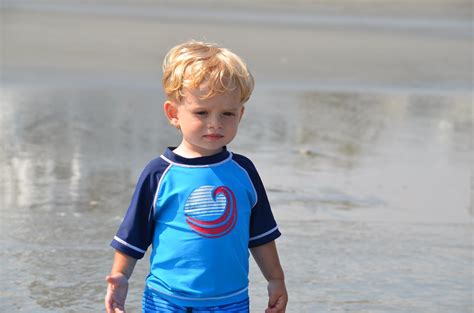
117 286
267 259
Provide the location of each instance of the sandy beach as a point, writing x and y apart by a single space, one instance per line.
360 126
306 46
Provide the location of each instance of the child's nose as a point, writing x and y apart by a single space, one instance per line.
215 122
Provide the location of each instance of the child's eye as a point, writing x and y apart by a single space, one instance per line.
229 114
200 113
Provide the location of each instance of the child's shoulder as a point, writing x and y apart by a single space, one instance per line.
240 158
244 162
158 164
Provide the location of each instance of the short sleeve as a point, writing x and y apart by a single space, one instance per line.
263 227
135 233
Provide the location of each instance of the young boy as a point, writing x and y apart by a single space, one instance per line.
199 205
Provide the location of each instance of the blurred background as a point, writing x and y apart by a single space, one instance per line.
360 126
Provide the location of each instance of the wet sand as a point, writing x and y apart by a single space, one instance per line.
360 125
89 44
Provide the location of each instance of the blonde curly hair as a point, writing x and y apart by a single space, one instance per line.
192 63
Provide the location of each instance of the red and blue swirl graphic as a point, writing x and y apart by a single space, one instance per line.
211 211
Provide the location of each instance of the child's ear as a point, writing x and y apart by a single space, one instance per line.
171 112
242 113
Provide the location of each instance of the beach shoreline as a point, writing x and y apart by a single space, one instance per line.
360 125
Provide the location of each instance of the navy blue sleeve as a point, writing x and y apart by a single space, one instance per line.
263 227
135 233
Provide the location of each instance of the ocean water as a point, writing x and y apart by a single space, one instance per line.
362 135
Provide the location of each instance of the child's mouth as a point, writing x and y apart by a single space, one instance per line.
213 136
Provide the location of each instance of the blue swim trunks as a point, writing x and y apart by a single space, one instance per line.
152 303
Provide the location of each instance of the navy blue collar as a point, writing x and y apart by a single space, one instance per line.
205 160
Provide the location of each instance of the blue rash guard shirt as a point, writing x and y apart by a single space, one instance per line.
200 215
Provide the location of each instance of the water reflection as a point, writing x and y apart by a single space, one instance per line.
401 152
71 158
81 150
69 149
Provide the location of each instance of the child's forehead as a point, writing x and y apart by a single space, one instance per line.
200 93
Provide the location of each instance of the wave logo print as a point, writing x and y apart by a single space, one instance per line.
211 211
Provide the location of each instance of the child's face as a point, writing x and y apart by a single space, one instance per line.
206 124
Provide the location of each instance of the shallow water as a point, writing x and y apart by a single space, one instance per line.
370 179
371 192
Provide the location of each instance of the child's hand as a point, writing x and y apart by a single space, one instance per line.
278 297
116 293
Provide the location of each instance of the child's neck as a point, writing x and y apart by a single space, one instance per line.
186 152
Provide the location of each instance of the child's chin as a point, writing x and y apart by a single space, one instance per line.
213 149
